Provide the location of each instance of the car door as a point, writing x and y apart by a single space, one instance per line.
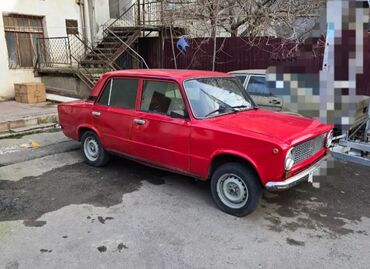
257 87
161 131
113 113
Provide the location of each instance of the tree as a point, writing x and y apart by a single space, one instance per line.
289 20
281 18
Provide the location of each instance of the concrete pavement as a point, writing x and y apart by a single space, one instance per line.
19 118
127 215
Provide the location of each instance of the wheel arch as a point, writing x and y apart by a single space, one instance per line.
84 128
221 158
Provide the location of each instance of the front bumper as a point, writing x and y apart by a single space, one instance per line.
294 180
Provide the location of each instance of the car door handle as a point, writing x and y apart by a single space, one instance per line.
275 102
96 114
139 121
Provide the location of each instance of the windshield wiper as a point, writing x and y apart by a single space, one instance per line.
220 109
218 101
241 106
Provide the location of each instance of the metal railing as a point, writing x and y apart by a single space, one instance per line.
86 59
53 51
70 52
144 13
123 32
81 48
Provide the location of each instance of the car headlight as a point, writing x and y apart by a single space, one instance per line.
329 139
289 160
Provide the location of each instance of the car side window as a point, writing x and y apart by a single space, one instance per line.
257 85
103 100
162 97
120 92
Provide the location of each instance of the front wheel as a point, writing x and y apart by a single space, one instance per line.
94 153
236 189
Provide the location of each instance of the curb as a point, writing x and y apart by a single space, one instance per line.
8 126
35 130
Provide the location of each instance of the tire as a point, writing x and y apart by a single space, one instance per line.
93 151
236 189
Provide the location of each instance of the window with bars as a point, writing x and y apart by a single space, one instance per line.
72 27
21 34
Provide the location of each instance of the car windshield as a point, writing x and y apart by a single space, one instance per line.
216 96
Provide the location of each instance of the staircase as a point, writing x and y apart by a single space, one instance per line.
110 48
119 37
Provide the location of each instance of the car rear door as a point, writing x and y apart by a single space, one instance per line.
160 131
113 113
257 87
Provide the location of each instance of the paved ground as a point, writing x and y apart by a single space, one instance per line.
12 110
57 212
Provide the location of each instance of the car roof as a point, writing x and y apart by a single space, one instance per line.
249 71
177 74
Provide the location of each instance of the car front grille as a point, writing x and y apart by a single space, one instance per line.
309 148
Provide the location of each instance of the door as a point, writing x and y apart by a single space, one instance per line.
113 114
160 131
259 91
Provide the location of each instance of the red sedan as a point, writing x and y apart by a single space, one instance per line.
198 123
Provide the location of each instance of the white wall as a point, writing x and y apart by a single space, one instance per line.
55 12
99 16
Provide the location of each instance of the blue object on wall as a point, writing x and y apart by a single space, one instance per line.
182 45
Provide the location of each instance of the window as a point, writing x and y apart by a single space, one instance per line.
216 96
162 97
72 27
120 92
21 34
257 85
118 7
241 78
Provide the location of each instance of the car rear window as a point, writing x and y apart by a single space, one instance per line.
120 92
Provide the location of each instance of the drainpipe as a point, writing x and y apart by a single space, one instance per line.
83 18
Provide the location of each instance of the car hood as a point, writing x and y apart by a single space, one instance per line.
286 128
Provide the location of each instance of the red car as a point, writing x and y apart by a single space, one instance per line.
198 123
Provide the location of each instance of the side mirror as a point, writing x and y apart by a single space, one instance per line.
178 114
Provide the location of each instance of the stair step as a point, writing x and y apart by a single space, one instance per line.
104 49
61 92
123 33
60 98
102 58
115 39
89 61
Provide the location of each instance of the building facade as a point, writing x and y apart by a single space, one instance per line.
23 22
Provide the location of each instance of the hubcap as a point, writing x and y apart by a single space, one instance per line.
91 149
232 191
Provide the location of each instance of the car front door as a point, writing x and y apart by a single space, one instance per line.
113 113
257 87
161 131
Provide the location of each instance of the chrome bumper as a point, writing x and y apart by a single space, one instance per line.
294 180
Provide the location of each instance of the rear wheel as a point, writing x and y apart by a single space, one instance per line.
236 189
94 153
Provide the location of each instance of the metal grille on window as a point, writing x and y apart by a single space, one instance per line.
309 148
